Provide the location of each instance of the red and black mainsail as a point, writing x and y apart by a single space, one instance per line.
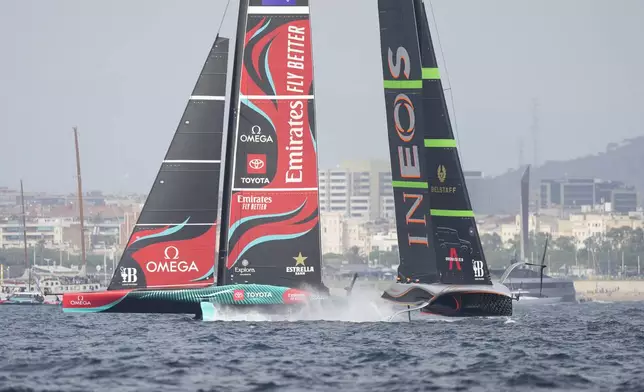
272 231
174 242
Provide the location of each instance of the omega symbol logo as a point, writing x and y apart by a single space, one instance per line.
171 250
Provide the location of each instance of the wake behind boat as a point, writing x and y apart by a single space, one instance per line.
246 233
442 267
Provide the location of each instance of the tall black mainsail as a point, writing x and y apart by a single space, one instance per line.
448 274
174 241
402 73
458 245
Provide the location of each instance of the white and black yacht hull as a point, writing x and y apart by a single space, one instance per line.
453 300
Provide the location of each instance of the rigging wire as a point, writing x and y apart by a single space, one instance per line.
221 22
451 94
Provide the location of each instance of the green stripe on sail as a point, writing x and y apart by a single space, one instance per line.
453 213
431 74
409 184
433 143
403 84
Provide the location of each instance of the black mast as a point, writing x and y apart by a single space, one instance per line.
230 139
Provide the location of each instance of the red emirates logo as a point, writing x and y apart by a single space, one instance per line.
238 295
256 163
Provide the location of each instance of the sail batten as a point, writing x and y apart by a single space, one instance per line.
431 73
410 184
403 84
440 143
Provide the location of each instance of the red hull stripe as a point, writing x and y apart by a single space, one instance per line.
93 302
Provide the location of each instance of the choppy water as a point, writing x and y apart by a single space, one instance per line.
585 347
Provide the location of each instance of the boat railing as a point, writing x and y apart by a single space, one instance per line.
509 270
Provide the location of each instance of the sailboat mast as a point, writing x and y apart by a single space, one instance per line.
524 213
24 233
230 140
80 202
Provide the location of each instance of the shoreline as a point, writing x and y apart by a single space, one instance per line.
597 290
610 290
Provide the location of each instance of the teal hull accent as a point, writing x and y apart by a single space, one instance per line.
239 294
208 311
189 301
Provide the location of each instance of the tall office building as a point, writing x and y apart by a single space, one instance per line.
572 193
362 189
358 189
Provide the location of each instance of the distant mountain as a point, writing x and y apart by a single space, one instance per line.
620 162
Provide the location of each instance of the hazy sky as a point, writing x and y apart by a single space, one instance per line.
122 71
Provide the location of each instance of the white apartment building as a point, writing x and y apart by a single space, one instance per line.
334 191
360 189
331 224
580 226
385 242
56 232
340 233
48 230
387 206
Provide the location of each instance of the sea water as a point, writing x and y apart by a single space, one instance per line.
584 347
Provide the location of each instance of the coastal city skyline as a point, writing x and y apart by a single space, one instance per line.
336 178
